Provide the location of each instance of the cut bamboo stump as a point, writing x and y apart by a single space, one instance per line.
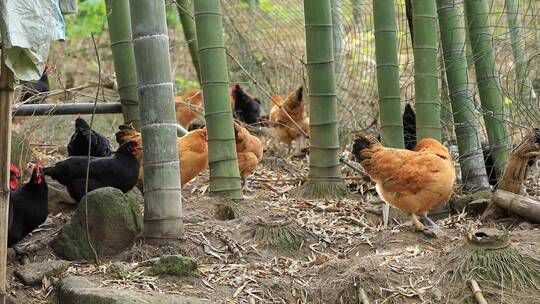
520 205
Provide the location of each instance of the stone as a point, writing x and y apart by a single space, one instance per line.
76 290
59 198
114 222
118 271
33 274
174 265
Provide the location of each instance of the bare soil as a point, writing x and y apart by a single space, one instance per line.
343 248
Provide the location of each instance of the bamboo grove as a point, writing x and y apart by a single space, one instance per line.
140 47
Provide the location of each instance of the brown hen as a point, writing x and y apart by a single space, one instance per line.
284 129
188 107
413 181
192 152
249 150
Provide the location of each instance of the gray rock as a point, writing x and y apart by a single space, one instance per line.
59 198
76 290
114 221
33 274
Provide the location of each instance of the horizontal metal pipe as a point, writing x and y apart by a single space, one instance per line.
67 109
75 108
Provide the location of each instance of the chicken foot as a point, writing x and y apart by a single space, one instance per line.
429 228
245 184
419 226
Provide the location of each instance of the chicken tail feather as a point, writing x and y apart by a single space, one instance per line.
361 145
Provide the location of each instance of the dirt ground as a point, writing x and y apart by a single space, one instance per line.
333 250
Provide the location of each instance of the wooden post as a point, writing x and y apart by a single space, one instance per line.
6 99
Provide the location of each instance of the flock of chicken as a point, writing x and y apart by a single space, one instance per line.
123 169
415 179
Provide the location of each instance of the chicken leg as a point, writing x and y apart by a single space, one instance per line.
245 185
385 214
419 226
429 222
431 229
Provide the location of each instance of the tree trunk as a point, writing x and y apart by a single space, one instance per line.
522 83
481 38
119 19
222 158
162 192
185 10
426 82
388 73
324 168
452 29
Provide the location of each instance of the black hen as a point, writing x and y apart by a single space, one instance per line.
33 88
246 108
121 171
78 144
28 207
409 133
489 161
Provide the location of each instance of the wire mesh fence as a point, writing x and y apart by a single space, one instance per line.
265 41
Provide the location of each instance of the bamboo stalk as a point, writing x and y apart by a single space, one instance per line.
222 158
518 51
481 37
477 292
6 99
388 73
185 10
162 192
428 108
119 20
452 29
324 167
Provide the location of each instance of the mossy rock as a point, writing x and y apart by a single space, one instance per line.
176 265
118 271
114 221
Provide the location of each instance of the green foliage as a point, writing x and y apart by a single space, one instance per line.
91 18
173 20
183 84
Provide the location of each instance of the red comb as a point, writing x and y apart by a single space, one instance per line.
14 168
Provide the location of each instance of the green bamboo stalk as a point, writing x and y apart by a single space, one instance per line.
481 37
162 192
388 73
185 9
222 158
357 11
428 107
452 29
337 33
324 168
518 51
119 19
